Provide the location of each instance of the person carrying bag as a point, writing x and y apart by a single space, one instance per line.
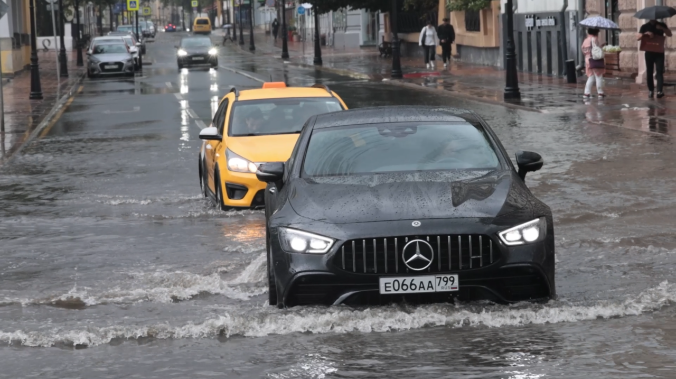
652 36
428 40
596 66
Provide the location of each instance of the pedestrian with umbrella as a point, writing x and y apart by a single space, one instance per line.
592 49
652 36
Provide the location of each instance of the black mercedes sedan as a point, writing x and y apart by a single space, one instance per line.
415 204
196 50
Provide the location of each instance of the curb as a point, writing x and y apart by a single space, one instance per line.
47 119
465 96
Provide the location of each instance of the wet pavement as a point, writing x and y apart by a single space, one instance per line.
113 265
23 115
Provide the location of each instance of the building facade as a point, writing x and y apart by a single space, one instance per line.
15 37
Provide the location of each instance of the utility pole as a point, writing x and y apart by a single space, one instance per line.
285 45
78 46
396 59
318 48
241 21
62 51
252 46
511 76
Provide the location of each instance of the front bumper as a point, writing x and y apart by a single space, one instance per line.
195 60
242 190
518 273
101 69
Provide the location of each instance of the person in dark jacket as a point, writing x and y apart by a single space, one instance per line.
446 35
275 29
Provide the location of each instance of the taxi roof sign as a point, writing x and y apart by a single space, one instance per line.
274 85
132 5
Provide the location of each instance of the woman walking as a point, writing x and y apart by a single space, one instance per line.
595 68
429 42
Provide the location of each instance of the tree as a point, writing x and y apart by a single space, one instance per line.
467 5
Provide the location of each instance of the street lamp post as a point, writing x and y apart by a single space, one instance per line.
252 46
318 48
241 21
396 60
285 45
79 61
234 21
36 88
62 51
511 77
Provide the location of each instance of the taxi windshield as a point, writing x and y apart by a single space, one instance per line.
277 116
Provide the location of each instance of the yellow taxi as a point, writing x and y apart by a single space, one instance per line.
252 127
201 25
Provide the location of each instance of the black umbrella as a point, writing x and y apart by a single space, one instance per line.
655 12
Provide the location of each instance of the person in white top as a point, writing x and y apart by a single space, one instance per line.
429 42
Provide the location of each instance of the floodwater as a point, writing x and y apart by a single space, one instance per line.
113 265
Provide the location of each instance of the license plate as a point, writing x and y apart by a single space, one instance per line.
109 66
198 58
418 284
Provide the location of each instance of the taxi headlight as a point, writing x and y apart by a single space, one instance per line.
296 241
182 53
237 163
532 231
213 51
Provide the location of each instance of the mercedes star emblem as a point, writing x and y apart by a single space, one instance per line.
416 224
417 255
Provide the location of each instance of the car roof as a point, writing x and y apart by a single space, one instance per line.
288 92
378 115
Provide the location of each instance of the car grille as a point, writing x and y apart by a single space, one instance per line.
384 255
118 66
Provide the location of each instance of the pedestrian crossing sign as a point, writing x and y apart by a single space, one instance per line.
195 4
132 5
146 11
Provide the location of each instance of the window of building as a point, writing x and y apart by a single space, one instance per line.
612 13
473 21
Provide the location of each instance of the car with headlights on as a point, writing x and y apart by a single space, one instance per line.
127 38
111 58
251 127
415 204
196 51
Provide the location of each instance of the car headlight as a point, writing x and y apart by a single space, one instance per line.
296 241
182 53
237 163
532 231
213 51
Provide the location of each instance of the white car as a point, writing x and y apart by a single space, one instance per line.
128 39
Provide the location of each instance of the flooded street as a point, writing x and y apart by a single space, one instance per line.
112 263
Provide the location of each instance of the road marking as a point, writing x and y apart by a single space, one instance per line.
58 115
242 73
136 109
178 96
168 84
192 113
200 124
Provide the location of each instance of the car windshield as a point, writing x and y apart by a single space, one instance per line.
129 40
398 147
124 28
196 42
202 21
277 116
116 48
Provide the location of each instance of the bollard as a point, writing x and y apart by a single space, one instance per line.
571 75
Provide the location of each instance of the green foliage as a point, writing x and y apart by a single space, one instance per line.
467 5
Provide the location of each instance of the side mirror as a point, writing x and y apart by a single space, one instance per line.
176 46
270 172
138 44
210 134
217 44
528 161
89 52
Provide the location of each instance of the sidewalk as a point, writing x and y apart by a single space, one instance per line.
626 105
22 115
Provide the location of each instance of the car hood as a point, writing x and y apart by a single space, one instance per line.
111 57
417 196
272 148
196 50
